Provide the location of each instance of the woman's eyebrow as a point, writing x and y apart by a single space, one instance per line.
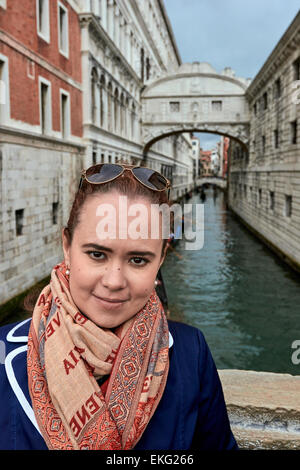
96 247
141 253
104 248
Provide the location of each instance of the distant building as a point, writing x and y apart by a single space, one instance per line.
196 157
205 159
215 162
222 148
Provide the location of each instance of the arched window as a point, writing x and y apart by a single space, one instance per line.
133 117
142 65
122 114
109 106
127 132
102 91
116 110
148 68
94 80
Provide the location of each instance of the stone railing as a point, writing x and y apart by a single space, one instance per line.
263 408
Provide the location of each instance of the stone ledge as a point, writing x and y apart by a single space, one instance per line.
254 439
263 408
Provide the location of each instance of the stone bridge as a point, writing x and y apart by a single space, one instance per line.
220 182
196 98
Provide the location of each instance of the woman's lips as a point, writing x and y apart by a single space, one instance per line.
110 304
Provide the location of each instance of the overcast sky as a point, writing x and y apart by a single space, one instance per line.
236 33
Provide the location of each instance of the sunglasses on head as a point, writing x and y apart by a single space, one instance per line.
106 172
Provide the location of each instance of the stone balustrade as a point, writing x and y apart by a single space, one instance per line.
263 408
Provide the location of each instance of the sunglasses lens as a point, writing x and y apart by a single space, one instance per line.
150 178
103 173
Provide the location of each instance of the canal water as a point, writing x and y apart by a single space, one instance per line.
237 292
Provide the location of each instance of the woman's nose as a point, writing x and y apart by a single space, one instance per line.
113 278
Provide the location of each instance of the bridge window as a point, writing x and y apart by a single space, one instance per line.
294 132
216 105
174 106
255 108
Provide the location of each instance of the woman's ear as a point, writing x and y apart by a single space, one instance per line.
66 246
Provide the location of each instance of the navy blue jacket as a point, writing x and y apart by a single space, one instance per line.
191 414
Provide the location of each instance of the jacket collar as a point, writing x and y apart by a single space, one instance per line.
11 372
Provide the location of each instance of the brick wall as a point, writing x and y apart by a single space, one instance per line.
21 41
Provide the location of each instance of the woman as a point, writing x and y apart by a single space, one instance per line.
104 369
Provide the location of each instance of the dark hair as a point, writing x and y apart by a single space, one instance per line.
126 185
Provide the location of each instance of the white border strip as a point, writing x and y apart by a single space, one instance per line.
17 339
16 387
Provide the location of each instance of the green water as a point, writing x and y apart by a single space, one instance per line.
245 301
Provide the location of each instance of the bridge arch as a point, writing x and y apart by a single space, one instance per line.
196 98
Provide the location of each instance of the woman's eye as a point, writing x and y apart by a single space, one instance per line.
139 261
96 254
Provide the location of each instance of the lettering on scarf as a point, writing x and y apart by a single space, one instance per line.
42 300
147 383
71 364
79 318
57 301
111 357
85 413
51 327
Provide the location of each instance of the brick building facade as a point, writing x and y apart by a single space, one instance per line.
40 140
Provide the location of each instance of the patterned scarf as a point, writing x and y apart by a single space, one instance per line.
68 353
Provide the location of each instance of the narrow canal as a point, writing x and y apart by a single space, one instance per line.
245 301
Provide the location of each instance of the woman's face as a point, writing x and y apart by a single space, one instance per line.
110 279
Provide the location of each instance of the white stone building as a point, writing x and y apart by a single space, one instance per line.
265 184
215 162
125 46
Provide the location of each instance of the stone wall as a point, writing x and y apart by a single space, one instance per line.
264 184
34 174
263 408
